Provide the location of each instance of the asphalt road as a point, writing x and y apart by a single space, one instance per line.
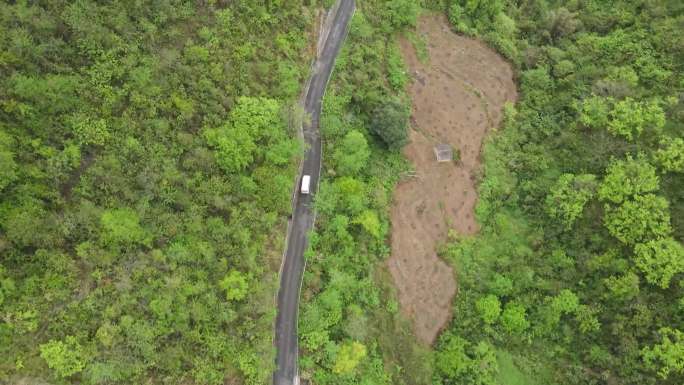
303 216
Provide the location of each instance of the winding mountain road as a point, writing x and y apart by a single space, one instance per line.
287 372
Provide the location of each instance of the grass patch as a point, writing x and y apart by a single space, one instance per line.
509 373
420 45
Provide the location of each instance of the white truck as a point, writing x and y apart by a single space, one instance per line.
306 182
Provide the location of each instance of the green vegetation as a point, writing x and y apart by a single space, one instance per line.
148 150
573 276
65 358
350 329
147 157
390 122
576 276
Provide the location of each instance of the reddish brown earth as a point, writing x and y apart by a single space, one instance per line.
457 95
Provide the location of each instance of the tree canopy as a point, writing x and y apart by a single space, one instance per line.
390 122
147 158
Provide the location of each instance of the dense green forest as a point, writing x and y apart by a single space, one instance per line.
147 158
148 153
576 276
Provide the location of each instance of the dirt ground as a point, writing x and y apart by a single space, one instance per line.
457 95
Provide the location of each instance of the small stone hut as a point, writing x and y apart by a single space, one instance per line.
444 153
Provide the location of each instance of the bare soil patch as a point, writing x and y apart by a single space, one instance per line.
457 96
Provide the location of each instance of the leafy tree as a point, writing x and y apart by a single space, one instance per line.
283 151
402 13
349 356
629 118
89 130
185 106
352 153
368 219
563 69
275 188
390 122
666 357
207 372
569 195
121 227
487 365
66 357
639 220
351 195
457 360
474 15
587 320
61 164
451 359
234 147
501 285
253 124
670 156
489 308
260 117
502 37
357 323
513 318
106 334
236 286
24 224
628 178
566 302
626 118
624 287
594 110
561 22
8 169
660 260
7 285
624 74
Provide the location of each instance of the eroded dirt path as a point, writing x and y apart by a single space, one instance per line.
458 94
